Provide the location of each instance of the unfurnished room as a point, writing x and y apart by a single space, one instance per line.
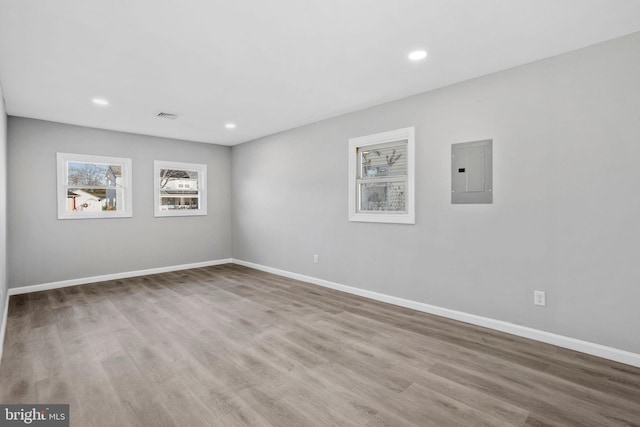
320 213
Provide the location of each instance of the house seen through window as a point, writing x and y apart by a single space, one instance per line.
382 177
93 186
180 189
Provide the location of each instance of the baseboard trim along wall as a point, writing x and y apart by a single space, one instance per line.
4 324
593 349
114 276
94 279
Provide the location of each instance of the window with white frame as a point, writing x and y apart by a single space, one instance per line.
93 186
381 177
180 189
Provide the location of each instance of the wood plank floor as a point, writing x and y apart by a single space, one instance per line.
228 345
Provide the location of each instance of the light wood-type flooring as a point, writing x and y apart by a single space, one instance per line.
228 345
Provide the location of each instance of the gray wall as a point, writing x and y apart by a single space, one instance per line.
3 207
44 249
566 211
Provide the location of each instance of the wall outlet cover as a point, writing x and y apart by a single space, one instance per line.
540 298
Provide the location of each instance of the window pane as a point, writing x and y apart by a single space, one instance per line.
94 174
384 160
93 186
94 199
173 202
176 179
389 196
179 189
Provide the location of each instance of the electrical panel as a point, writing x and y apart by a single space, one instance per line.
472 172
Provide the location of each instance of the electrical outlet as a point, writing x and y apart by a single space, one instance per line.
540 298
316 259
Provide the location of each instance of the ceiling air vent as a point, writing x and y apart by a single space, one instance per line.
165 115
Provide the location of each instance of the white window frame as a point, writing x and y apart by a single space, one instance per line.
357 144
202 188
64 158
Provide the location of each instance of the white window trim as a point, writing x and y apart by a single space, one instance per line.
202 188
64 158
355 144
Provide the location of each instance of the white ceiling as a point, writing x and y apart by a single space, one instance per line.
268 65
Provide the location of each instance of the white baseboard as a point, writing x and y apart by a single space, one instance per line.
598 350
125 275
4 324
593 349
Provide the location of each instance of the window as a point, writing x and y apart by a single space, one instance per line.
93 186
180 189
381 177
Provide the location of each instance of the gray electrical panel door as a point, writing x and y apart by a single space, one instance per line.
472 172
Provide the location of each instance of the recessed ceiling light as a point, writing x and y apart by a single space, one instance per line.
417 55
100 101
230 125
